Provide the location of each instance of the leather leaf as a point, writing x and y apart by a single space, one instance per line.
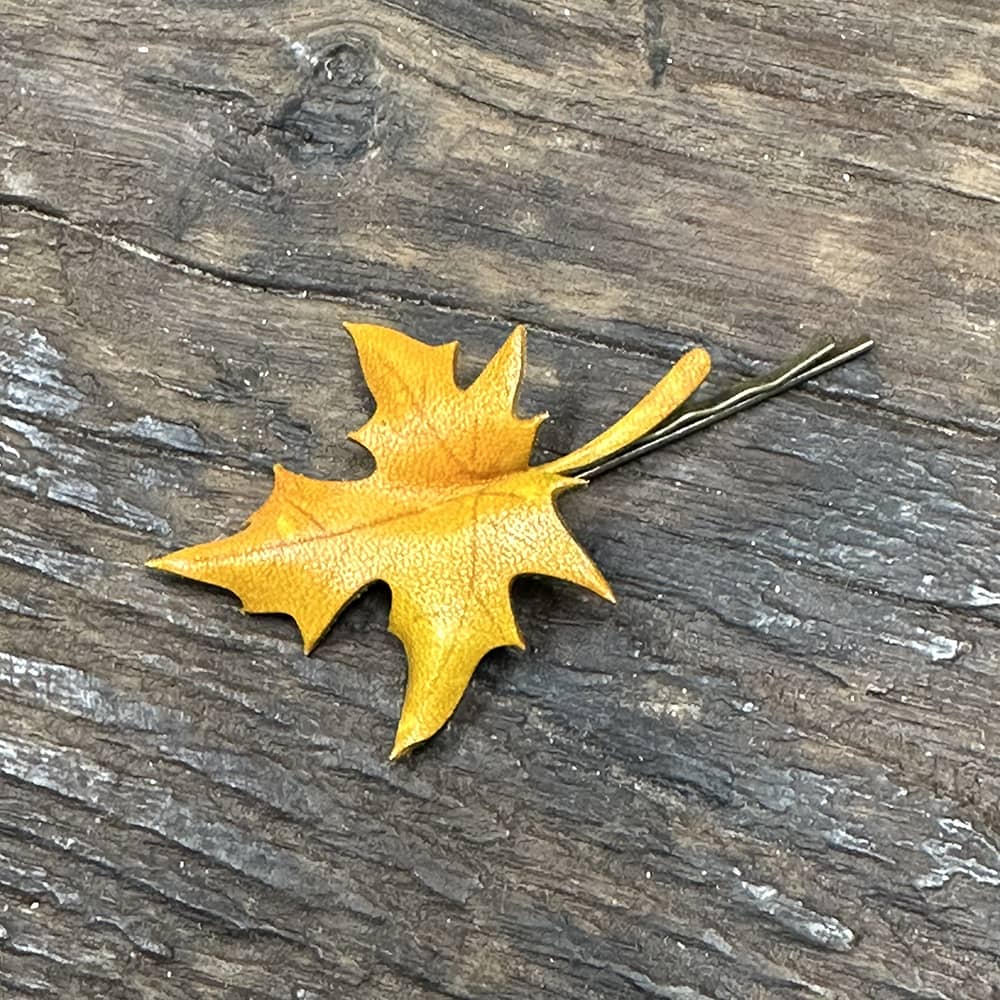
451 515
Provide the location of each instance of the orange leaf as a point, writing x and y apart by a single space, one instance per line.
451 515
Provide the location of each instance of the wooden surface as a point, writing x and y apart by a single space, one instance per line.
771 771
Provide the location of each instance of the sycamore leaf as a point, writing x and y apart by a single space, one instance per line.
451 515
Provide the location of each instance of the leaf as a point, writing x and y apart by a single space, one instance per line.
451 515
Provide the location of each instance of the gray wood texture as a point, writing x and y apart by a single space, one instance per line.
771 770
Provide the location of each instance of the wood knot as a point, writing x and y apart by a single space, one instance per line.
336 115
657 45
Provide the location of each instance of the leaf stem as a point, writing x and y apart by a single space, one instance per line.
820 356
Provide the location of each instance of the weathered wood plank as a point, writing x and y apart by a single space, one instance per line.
772 769
720 718
798 166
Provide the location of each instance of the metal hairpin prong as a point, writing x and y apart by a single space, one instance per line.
820 356
749 391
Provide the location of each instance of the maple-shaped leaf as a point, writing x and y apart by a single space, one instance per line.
451 515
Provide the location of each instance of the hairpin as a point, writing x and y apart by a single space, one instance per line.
453 511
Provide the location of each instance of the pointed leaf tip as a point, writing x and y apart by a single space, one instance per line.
499 383
164 563
408 738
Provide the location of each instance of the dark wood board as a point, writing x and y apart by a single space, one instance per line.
772 769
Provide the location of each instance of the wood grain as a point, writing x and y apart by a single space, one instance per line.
772 769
